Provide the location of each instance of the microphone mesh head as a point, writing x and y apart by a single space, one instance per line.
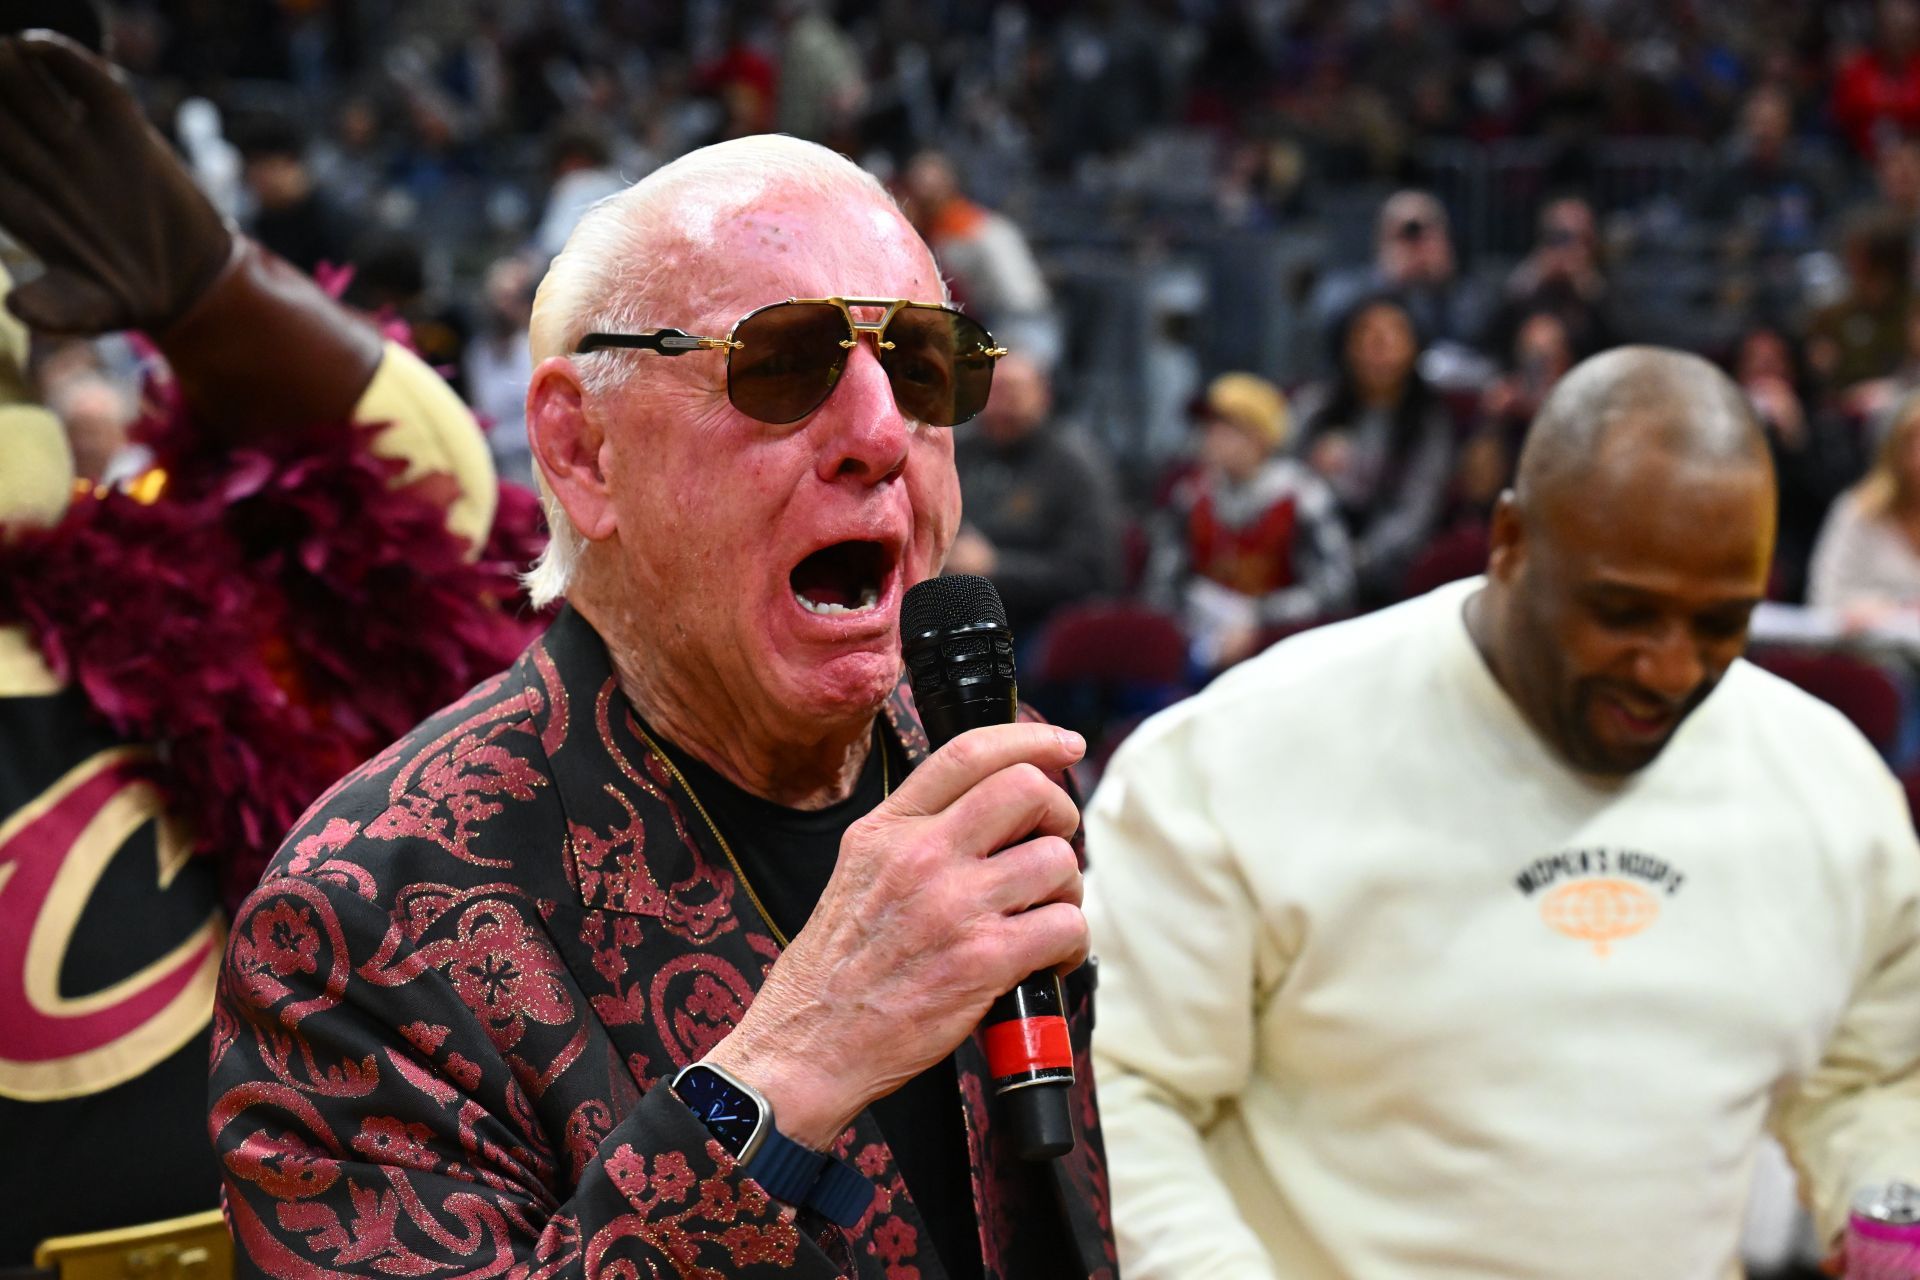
948 604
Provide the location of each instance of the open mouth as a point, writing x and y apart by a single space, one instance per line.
847 577
1636 722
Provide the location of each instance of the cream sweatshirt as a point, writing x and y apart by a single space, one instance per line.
1388 991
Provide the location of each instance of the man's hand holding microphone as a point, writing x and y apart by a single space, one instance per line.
957 887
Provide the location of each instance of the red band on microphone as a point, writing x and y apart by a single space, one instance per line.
1028 1044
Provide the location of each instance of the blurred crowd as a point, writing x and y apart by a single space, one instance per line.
1286 280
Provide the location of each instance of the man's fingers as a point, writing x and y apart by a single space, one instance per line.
34 98
1038 871
93 82
27 153
55 110
1053 936
60 302
977 754
1015 803
26 217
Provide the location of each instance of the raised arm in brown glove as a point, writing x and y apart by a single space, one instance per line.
129 242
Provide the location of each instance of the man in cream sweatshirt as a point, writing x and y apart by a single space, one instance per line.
1484 936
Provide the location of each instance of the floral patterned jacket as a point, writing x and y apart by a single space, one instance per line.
444 1012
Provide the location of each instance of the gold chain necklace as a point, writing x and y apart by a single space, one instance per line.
739 872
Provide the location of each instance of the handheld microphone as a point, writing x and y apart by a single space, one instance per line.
959 655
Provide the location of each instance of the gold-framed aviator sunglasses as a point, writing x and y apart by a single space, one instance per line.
785 359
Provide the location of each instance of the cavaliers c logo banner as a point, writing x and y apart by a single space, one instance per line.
53 852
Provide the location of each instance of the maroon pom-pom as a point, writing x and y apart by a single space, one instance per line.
277 615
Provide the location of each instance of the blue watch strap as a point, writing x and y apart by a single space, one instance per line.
841 1195
785 1168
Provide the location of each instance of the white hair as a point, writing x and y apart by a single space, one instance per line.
614 265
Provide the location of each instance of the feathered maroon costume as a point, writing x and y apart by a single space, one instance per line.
185 664
272 616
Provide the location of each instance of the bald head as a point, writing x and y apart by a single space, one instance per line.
1625 565
655 254
634 253
1632 406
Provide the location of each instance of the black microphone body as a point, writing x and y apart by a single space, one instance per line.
959 655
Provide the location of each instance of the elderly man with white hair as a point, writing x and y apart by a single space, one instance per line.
663 952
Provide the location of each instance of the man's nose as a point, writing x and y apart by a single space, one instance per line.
1671 665
866 435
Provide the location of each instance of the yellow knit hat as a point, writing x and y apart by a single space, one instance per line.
1251 403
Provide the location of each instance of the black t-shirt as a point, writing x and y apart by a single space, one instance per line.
788 856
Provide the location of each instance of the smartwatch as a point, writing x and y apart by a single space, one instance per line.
741 1120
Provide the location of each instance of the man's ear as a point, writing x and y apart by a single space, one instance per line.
569 446
1506 538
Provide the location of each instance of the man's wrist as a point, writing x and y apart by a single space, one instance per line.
744 1122
806 1106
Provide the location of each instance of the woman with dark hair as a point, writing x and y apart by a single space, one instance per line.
1384 441
1815 454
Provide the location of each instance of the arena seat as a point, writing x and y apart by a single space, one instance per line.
1863 692
1458 553
1110 642
1102 667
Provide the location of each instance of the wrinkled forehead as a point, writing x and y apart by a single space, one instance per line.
801 246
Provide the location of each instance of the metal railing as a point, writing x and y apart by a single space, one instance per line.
1494 190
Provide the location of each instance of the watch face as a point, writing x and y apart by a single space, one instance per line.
729 1113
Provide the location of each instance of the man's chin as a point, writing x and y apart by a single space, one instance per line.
1596 754
1618 761
843 689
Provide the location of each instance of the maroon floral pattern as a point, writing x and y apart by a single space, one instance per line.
446 1012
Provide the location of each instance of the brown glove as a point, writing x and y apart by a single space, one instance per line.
97 195
129 242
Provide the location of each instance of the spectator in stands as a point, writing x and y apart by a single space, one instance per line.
1042 505
1871 404
349 163
985 258
1774 194
390 280
499 366
1564 274
1896 176
1384 442
1863 335
1542 354
1867 561
1877 90
1253 540
822 84
291 215
1414 258
583 174
1815 455
440 166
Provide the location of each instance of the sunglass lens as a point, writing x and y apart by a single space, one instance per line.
938 365
788 360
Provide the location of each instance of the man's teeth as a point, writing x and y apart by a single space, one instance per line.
868 598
